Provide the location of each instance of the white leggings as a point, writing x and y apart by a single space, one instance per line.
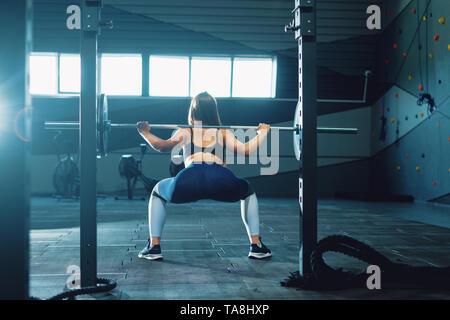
157 214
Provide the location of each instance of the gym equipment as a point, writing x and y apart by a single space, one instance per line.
131 170
66 177
104 125
305 141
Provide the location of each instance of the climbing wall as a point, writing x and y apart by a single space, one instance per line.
411 121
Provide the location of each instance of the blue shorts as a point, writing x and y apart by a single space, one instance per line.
204 181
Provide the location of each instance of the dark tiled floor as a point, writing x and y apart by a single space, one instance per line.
205 247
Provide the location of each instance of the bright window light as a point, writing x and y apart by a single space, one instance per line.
212 75
254 77
121 74
169 76
69 73
43 73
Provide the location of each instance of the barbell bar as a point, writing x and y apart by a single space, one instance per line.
104 126
74 125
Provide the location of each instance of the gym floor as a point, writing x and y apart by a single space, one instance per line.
205 247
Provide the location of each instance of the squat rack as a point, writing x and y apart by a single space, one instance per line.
304 26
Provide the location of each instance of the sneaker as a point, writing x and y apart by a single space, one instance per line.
259 251
151 252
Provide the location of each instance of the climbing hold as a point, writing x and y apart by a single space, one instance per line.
441 20
417 168
407 156
431 56
414 10
421 114
448 139
436 37
421 87
410 78
448 47
437 125
405 54
424 18
395 46
379 111
392 120
373 133
396 94
398 168
434 183
390 12
423 155
386 61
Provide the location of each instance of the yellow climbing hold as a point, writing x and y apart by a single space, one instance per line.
392 120
424 18
373 134
437 125
431 56
448 47
398 168
441 20
417 168
410 78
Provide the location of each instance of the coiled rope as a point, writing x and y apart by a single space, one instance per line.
393 275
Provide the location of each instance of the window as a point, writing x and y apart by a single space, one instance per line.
69 73
254 77
212 75
43 73
169 76
121 74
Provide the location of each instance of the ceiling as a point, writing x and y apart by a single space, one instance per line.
258 24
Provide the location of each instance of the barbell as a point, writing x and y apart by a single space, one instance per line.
104 126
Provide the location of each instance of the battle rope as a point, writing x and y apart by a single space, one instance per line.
393 275
106 285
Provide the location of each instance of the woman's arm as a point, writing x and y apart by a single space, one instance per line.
156 143
249 147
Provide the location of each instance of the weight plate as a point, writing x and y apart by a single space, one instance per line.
297 134
102 126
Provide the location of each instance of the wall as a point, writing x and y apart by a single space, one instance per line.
412 149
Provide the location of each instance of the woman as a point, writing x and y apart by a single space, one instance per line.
205 175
